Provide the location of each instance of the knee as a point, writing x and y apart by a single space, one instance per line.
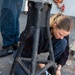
63 43
60 44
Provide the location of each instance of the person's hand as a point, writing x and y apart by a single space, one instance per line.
58 72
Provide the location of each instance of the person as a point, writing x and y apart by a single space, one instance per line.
58 3
60 28
10 13
0 12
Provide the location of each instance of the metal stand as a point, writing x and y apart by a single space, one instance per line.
38 16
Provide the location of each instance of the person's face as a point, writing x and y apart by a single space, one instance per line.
59 33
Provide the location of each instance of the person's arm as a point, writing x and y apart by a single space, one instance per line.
59 66
62 60
58 70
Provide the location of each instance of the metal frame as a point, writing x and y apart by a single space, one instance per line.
42 20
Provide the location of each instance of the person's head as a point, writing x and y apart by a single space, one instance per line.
61 24
58 1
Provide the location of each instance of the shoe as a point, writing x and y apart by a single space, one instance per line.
47 73
6 51
15 46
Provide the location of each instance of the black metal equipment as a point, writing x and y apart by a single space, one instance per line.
38 16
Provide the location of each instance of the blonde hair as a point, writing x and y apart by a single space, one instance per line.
62 21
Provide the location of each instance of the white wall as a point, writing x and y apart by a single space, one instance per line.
69 7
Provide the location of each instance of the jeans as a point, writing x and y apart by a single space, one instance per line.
19 70
59 46
10 13
0 13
